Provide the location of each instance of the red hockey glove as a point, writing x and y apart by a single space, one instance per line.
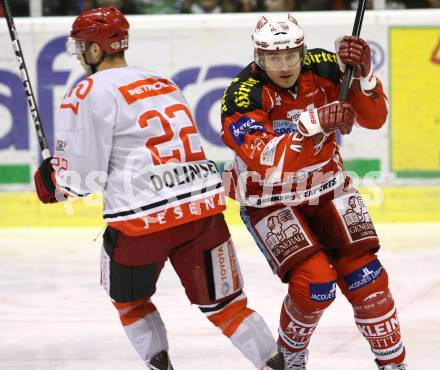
355 51
336 115
326 119
45 182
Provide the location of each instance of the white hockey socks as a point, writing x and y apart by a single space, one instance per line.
144 328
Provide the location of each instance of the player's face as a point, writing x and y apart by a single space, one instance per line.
82 51
282 67
91 54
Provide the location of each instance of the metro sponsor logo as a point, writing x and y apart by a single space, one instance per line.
143 89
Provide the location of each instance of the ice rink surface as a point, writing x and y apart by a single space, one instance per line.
55 315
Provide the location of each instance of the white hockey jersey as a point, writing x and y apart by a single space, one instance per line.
129 132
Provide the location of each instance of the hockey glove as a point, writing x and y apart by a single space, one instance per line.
44 180
326 119
355 51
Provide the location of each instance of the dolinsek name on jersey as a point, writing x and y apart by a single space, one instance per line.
182 174
245 125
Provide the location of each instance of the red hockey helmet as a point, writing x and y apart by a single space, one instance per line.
108 27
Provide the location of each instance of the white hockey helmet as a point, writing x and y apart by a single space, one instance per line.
277 32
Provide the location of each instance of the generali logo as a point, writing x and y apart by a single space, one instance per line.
284 237
358 220
143 89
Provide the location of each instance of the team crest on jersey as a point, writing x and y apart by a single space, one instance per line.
355 216
282 234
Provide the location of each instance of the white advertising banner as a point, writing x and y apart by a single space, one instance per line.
202 53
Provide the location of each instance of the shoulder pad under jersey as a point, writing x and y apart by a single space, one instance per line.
323 63
243 94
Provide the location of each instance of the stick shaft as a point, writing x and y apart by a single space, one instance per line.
26 83
356 32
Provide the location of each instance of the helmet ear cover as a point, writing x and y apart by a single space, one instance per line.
107 27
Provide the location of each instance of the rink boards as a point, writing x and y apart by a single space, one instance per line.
390 204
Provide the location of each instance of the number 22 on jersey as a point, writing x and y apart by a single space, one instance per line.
180 140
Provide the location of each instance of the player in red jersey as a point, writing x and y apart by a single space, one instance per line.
280 116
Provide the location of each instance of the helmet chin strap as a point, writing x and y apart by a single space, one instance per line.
94 66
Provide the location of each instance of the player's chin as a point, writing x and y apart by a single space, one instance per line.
286 82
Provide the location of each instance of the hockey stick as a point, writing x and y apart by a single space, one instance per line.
27 84
356 32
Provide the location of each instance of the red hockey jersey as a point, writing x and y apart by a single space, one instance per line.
274 163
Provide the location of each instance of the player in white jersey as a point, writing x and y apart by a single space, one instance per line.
129 133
